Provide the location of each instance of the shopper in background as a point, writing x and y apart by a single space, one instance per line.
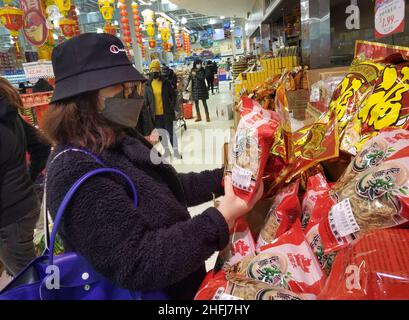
228 68
156 245
209 73
160 98
170 75
199 89
42 85
19 206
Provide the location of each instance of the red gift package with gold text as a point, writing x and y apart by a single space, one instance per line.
251 147
376 267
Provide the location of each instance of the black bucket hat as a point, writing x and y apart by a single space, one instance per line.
90 61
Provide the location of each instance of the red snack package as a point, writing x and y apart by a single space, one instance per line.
241 244
227 287
251 147
285 210
288 262
316 186
377 198
376 267
375 51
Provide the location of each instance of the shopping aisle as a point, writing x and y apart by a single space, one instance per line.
202 144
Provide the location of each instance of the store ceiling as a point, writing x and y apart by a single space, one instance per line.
228 8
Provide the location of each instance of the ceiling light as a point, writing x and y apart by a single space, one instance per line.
184 20
222 17
212 21
166 17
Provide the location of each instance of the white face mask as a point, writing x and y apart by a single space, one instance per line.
199 66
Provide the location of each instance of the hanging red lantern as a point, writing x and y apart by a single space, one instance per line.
110 28
152 44
12 19
137 22
67 27
74 16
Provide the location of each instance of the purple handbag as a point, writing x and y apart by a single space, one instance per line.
77 279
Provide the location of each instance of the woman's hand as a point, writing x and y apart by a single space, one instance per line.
233 207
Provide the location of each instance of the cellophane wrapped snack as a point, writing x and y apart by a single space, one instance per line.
387 106
223 287
375 51
376 267
285 210
287 262
241 244
377 198
382 147
353 89
251 147
314 144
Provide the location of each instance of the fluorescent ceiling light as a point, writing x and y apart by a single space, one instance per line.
212 21
184 20
222 17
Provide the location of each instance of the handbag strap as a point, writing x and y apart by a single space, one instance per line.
44 205
71 193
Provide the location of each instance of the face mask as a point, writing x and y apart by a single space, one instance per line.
156 75
198 66
124 112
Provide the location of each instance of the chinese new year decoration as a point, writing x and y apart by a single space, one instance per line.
186 42
107 8
148 20
74 16
63 5
164 29
68 27
12 19
137 23
126 30
177 38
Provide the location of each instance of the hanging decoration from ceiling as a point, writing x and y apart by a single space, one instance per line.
34 23
12 19
206 38
126 30
137 23
177 38
186 42
74 16
68 27
63 5
148 20
107 9
164 29
194 37
53 17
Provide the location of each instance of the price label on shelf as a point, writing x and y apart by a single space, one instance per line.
389 17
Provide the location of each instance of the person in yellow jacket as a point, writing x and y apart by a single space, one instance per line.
160 98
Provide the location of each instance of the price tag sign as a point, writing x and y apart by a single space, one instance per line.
389 17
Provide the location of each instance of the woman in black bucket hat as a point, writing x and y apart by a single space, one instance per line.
156 245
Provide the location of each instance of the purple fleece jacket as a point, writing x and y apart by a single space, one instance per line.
154 246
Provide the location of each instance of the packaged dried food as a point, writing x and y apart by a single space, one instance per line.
241 244
375 51
251 147
377 198
222 287
376 267
287 262
314 144
285 210
380 148
387 106
353 89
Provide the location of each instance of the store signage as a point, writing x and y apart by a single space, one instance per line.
37 70
353 21
389 17
34 23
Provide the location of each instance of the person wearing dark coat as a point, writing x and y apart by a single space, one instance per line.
19 205
156 245
160 98
199 89
209 72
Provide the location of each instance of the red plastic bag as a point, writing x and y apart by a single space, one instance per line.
288 262
285 210
251 147
376 267
225 287
241 244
